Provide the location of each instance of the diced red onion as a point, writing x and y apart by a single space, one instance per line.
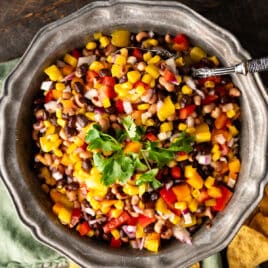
131 60
97 116
187 218
88 60
231 182
203 159
134 244
164 135
51 106
127 107
169 185
227 107
231 142
137 209
190 121
57 175
145 116
190 82
90 211
172 65
67 89
181 234
159 105
142 241
99 220
151 34
129 230
46 85
68 77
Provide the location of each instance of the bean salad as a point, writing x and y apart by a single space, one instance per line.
130 148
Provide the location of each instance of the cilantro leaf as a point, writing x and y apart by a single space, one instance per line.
134 132
137 163
149 177
182 143
100 140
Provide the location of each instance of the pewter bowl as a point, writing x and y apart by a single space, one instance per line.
50 43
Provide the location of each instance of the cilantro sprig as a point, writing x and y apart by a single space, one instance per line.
121 166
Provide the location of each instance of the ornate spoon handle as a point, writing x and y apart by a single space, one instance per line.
250 66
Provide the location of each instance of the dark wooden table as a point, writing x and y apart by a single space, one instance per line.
20 20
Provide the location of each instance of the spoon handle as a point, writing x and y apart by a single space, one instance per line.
257 65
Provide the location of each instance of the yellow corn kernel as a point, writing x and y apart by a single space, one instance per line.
133 76
167 109
215 148
106 102
151 42
202 137
53 73
117 70
175 219
214 192
216 156
233 130
139 231
172 163
177 106
65 215
154 60
152 84
210 202
193 205
94 203
182 126
197 54
105 210
90 116
234 165
209 182
130 189
56 208
91 45
190 130
180 62
115 233
119 204
141 205
161 206
77 141
96 66
71 60
115 213
49 142
152 241
182 157
61 122
104 41
143 106
147 56
109 59
209 84
120 60
142 189
120 38
186 90
167 126
124 52
195 193
149 122
60 86
152 70
147 79
231 113
180 205
178 78
215 60
90 234
97 35
58 152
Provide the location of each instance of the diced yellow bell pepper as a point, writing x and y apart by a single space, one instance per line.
69 59
210 202
209 182
151 42
234 165
115 233
167 109
147 56
130 189
193 205
152 241
65 215
139 231
214 192
202 133
193 178
58 197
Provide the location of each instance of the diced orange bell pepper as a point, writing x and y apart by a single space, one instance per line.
234 165
84 228
193 178
133 147
144 220
182 191
220 121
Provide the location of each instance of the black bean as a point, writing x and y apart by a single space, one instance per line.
81 120
205 62
203 148
146 197
110 195
82 69
53 119
106 237
154 196
152 129
122 79
73 186
70 131
86 165
105 72
225 99
186 99
78 87
186 70
149 228
71 121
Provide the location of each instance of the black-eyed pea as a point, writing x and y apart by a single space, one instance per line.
141 35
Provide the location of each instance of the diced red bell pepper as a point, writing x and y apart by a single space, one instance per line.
119 106
168 195
76 53
137 53
132 221
209 99
90 75
115 243
84 228
186 111
140 83
151 137
169 76
222 202
182 42
176 172
76 216
49 96
108 81
220 90
145 221
215 79
114 223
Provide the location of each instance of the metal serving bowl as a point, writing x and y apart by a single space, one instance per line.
16 146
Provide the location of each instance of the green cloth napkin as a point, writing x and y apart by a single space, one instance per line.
18 248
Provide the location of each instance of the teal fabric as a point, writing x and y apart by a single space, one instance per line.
18 248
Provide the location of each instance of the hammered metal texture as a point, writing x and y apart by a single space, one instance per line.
75 30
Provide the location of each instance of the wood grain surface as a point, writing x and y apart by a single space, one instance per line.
21 19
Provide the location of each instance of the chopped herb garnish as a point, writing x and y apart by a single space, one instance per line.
150 178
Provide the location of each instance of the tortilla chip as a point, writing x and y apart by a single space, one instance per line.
260 224
244 251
